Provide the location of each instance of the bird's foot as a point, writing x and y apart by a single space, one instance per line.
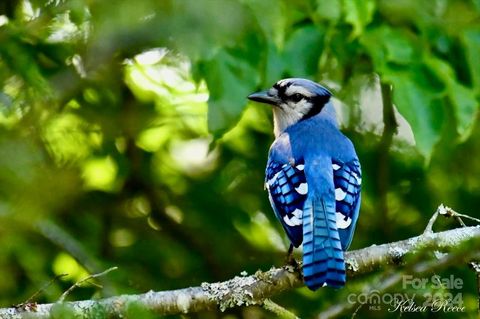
290 260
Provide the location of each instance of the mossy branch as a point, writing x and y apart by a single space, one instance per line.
247 290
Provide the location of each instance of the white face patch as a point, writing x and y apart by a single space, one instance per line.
341 222
288 114
290 109
284 118
292 89
301 107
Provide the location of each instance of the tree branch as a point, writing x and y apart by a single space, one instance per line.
78 283
253 289
385 282
383 155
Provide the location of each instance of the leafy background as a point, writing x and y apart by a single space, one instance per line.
126 138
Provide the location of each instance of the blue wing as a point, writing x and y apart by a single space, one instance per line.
287 188
328 227
347 179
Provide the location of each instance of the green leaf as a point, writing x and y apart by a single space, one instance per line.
274 64
329 10
465 108
471 41
398 47
272 18
461 97
386 45
359 14
302 51
230 79
420 108
442 71
476 3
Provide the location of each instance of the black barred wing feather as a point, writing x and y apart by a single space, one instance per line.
287 189
347 178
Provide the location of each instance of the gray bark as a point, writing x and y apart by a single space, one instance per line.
245 290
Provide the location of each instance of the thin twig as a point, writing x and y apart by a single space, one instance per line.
278 310
460 221
44 287
448 212
433 219
30 300
78 283
474 265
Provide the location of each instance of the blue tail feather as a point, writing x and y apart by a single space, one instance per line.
323 261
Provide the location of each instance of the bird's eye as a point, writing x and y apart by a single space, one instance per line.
296 97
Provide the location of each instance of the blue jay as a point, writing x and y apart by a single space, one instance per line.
313 178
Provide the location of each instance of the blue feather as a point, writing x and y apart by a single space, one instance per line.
322 250
313 178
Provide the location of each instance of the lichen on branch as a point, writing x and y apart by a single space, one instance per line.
245 290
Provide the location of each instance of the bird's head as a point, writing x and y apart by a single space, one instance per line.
294 100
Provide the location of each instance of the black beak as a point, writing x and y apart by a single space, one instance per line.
264 97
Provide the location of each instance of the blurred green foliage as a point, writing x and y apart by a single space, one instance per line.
126 139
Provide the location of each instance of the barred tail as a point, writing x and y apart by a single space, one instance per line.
323 261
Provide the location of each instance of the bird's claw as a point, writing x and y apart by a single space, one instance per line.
290 260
